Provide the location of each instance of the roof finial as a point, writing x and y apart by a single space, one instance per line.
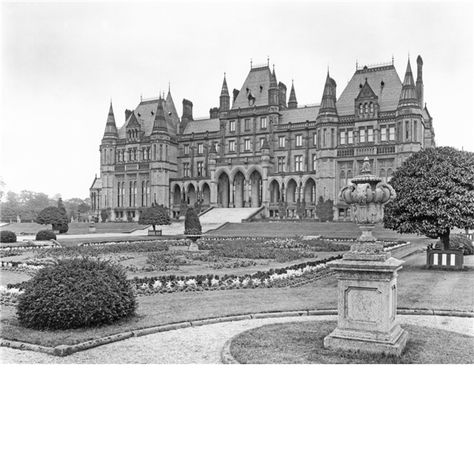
169 87
141 97
357 64
393 59
268 61
250 63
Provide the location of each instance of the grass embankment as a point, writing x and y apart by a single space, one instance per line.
417 288
302 343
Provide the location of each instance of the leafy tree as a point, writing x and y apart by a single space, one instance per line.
104 214
51 215
435 193
324 209
32 203
63 227
192 225
154 215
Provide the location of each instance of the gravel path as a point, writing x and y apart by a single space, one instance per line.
197 345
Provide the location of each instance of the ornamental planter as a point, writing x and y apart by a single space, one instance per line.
451 259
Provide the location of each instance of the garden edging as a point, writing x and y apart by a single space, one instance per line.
65 350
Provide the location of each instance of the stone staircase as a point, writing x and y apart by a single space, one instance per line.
221 215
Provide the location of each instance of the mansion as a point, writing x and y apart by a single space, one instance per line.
259 148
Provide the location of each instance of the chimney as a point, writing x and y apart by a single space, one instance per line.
419 81
127 114
282 89
214 112
187 113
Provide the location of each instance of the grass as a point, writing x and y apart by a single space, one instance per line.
302 343
417 288
74 227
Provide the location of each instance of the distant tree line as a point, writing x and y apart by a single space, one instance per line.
27 205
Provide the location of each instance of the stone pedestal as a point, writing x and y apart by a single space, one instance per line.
367 305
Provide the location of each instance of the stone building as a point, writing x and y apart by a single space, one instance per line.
258 148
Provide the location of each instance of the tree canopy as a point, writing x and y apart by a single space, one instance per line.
154 215
52 215
435 193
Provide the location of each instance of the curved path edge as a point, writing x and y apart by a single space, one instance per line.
65 350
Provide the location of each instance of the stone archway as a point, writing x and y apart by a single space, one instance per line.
176 195
291 191
223 188
274 192
239 189
310 192
255 195
191 195
206 195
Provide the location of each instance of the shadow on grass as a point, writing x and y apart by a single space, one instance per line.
302 343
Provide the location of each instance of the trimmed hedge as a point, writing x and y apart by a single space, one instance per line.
7 236
192 225
45 235
76 293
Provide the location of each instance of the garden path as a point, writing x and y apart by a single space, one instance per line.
197 345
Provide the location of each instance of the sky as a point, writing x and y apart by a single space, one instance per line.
62 63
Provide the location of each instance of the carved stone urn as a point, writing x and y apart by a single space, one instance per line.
367 277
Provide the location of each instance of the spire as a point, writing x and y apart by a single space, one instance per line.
273 91
224 100
408 95
328 102
110 127
292 102
160 125
273 79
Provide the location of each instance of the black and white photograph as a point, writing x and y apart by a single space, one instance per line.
283 185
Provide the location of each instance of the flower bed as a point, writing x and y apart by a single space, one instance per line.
9 296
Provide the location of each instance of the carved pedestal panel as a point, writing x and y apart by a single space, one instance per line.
367 306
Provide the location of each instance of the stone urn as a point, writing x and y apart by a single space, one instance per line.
367 276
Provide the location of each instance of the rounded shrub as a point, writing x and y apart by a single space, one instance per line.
7 236
76 293
192 225
45 235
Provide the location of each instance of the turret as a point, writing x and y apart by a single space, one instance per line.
328 102
273 91
419 81
408 97
224 101
187 114
110 127
282 90
292 102
160 125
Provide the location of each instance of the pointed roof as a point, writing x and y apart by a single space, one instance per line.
366 91
383 80
273 79
408 94
171 109
110 127
225 90
159 124
257 82
328 102
292 102
133 121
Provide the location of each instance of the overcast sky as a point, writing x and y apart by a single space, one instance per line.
62 62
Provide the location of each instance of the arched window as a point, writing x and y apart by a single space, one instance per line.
130 193
361 109
371 107
348 176
389 174
147 196
366 108
342 179
119 193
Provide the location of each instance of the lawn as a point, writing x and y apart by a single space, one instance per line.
28 228
417 288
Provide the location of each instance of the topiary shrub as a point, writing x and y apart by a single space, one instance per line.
45 235
459 240
7 236
192 225
76 293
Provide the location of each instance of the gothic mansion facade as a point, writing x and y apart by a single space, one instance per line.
258 149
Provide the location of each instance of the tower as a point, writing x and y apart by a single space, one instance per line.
273 90
292 102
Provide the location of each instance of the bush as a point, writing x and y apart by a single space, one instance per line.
459 240
192 225
76 293
45 235
7 236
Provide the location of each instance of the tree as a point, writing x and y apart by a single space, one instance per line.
192 224
435 193
51 215
154 215
324 209
63 227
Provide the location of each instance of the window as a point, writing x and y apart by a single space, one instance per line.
281 164
370 134
362 135
299 140
247 124
186 170
407 129
315 139
319 138
299 163
247 144
200 168
262 139
200 148
391 132
313 162
281 142
333 135
371 107
232 146
415 131
383 134
263 122
324 137
342 139
350 137
232 125
130 193
186 149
